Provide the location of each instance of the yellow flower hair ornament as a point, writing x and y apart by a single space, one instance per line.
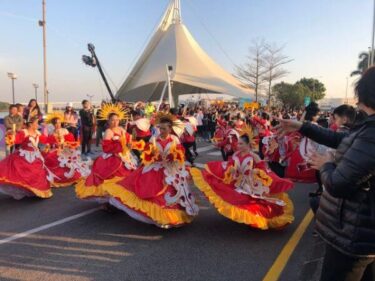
110 108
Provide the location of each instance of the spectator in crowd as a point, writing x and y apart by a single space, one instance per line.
21 110
71 120
32 110
345 219
344 117
13 122
199 116
87 117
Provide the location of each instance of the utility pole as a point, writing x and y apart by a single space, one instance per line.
42 23
36 86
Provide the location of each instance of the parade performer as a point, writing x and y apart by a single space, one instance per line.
188 142
230 141
300 149
62 156
158 191
244 190
23 173
219 134
116 161
140 127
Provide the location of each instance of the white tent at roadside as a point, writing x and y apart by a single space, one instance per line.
193 71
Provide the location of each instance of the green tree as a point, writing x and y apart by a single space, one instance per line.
290 95
317 90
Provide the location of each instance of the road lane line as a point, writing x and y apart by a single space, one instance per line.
278 266
47 226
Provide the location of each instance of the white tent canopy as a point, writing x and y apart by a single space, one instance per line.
193 70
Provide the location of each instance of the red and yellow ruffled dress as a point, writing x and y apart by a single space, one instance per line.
158 191
63 159
23 172
115 163
246 192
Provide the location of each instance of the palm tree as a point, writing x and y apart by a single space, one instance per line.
364 58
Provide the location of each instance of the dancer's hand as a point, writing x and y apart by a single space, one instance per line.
287 126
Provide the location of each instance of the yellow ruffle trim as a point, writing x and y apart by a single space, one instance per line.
65 184
37 192
160 215
83 191
240 215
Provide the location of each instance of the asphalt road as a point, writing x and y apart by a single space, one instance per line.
112 246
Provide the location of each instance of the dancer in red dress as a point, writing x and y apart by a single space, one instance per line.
244 190
63 157
116 162
158 191
23 173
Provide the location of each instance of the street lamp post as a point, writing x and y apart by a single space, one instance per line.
13 77
42 23
36 86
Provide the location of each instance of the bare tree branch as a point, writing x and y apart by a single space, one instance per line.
274 61
251 72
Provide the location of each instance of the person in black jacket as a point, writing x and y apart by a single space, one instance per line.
345 219
86 115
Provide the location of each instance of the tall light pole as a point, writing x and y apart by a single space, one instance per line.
42 23
36 86
13 77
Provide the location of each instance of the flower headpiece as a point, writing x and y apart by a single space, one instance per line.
109 108
247 130
178 126
54 115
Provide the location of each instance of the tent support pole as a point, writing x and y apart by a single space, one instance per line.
170 97
162 95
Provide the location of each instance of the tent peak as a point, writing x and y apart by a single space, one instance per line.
176 11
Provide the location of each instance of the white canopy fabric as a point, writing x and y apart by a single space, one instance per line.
193 70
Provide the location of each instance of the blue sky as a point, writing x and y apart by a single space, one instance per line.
324 37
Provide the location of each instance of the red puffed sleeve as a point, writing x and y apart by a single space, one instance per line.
69 138
20 137
43 139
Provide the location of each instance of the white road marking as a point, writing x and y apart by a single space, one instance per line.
47 226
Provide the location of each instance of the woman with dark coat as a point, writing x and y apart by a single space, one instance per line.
345 219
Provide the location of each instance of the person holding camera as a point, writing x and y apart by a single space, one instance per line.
345 219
